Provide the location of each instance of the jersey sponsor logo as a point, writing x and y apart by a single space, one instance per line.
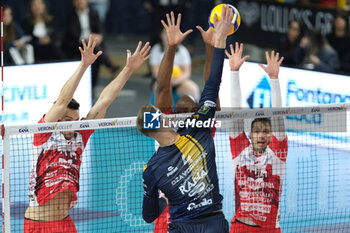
187 171
204 109
255 207
194 184
255 184
171 170
55 139
67 164
151 120
204 202
206 191
210 103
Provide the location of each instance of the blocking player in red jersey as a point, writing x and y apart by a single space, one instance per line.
185 104
54 179
259 164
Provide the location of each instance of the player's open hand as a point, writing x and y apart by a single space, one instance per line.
224 25
235 57
87 52
273 64
140 55
208 35
174 34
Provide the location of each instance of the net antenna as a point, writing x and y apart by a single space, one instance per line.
6 226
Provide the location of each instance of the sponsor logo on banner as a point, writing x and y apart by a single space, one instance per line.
108 123
280 112
301 95
46 128
63 127
23 130
317 109
261 95
125 122
336 109
250 12
84 125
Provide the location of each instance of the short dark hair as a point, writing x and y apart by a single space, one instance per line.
73 104
140 120
263 120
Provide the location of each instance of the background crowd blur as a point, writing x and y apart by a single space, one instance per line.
40 31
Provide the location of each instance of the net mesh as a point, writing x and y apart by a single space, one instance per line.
315 185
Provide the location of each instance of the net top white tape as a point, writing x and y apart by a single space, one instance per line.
131 121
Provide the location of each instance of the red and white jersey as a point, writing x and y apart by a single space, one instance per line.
56 165
258 180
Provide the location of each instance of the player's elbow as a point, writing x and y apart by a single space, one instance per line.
149 218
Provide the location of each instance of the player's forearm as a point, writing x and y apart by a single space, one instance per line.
211 88
209 57
276 97
153 207
235 86
166 68
69 88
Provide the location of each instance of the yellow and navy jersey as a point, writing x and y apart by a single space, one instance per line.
186 170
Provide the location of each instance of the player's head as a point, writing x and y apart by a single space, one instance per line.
260 134
186 104
71 114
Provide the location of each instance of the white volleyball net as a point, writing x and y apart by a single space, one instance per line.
308 181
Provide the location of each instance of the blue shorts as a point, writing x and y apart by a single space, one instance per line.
212 224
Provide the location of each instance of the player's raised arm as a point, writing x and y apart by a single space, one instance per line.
236 60
87 58
211 88
175 37
208 37
111 91
272 69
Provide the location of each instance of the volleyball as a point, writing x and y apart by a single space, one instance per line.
236 18
176 71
